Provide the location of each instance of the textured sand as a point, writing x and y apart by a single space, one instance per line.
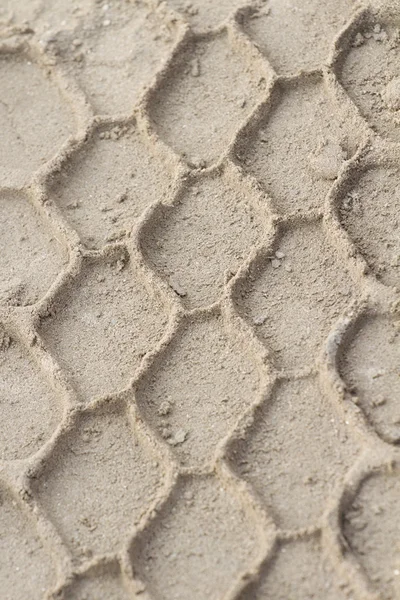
199 300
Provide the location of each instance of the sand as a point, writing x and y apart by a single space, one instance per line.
199 300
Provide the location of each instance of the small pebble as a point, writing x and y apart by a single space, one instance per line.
327 160
179 437
358 40
164 409
259 320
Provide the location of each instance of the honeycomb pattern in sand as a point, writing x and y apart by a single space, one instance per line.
199 307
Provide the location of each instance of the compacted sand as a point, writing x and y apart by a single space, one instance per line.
199 300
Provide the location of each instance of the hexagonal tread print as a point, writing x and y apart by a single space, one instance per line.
199 299
291 299
35 119
29 409
298 145
199 242
371 528
200 128
368 211
98 347
199 527
32 255
115 55
281 466
99 481
104 187
368 362
26 566
222 380
369 69
298 569
310 26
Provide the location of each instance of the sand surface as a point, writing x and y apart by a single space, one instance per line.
199 300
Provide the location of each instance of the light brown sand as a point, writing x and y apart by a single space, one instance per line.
199 300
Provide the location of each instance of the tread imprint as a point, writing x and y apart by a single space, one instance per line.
199 299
